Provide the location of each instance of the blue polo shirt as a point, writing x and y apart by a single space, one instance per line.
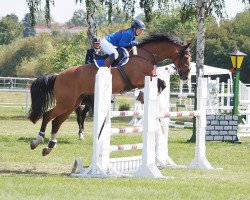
123 38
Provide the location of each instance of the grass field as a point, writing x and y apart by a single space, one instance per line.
25 174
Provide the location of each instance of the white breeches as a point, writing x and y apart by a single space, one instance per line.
108 48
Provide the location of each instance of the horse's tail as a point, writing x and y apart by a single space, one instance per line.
42 96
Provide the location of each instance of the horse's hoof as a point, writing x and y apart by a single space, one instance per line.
33 145
36 142
81 136
46 151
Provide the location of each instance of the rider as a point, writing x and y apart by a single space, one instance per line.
96 48
122 38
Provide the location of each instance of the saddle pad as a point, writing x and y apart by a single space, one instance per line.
99 62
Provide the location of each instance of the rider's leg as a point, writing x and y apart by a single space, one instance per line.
110 50
108 62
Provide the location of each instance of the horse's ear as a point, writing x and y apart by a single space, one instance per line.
189 45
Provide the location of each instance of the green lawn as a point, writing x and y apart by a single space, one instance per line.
25 174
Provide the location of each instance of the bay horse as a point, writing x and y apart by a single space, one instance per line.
67 87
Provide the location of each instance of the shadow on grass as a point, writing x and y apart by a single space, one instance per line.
181 142
29 172
46 140
13 117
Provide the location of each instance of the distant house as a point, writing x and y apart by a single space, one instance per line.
46 29
42 29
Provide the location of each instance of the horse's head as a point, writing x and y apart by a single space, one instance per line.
182 61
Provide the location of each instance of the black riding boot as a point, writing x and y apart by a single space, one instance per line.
108 62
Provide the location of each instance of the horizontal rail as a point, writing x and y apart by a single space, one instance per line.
181 106
244 112
179 114
245 102
244 126
225 95
126 113
240 135
182 95
14 90
181 123
125 147
126 130
180 126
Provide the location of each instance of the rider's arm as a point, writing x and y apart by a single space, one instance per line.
88 56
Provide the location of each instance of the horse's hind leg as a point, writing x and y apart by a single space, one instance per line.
40 137
47 117
56 123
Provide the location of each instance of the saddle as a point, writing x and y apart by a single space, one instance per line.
120 61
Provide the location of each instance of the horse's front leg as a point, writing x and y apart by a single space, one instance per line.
83 116
79 121
161 85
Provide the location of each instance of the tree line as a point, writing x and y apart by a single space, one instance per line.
34 56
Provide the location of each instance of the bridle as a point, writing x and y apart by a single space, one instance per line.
179 56
182 52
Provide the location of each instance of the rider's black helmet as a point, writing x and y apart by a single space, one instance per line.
138 24
96 40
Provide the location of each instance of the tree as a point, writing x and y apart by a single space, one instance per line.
34 6
78 18
10 29
92 6
40 18
28 30
223 39
200 8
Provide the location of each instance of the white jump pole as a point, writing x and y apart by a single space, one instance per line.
101 125
148 169
163 159
200 161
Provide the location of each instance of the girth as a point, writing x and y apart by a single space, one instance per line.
124 76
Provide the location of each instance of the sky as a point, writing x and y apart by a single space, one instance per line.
63 9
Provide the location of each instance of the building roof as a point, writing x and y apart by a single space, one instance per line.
208 70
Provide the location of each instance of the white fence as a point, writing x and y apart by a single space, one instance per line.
15 92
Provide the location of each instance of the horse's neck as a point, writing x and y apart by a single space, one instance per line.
161 51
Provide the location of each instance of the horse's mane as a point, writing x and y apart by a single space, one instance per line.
161 37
